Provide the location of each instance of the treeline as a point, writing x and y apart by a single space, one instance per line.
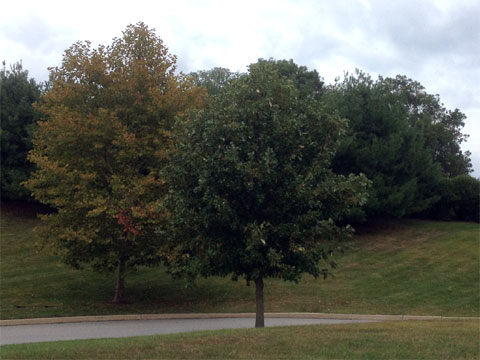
400 136
252 175
404 139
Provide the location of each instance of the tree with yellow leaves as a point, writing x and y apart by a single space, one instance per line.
101 147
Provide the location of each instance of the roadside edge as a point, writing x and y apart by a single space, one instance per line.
77 319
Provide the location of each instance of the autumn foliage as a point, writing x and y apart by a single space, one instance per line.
102 145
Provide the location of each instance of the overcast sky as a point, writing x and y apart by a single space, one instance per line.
434 42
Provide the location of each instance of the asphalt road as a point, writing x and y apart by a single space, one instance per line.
115 329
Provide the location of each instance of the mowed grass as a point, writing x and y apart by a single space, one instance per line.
408 267
389 340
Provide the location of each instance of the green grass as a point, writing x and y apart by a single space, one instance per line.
411 267
389 340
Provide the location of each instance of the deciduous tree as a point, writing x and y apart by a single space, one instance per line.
214 80
251 188
308 82
101 147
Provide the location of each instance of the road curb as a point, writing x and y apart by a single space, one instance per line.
79 319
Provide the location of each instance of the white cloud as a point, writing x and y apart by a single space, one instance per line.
432 41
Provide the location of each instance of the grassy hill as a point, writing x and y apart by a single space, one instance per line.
407 267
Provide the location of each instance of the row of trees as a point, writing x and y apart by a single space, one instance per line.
253 175
401 137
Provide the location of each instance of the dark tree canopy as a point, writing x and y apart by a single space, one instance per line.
18 122
459 200
388 141
441 128
250 184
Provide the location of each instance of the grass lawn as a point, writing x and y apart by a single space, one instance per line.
389 340
411 267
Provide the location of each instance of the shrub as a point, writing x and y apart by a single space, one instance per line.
459 199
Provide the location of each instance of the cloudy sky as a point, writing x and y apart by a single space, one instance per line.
436 42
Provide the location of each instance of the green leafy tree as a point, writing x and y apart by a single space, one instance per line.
214 80
101 146
18 119
386 144
307 82
250 185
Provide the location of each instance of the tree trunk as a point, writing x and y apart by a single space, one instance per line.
260 317
119 289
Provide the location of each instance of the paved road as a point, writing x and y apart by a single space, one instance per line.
113 329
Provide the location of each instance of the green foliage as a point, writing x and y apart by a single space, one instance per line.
384 141
459 200
18 118
308 83
214 80
250 183
101 147
441 128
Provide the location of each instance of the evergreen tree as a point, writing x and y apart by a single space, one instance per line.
385 142
18 122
